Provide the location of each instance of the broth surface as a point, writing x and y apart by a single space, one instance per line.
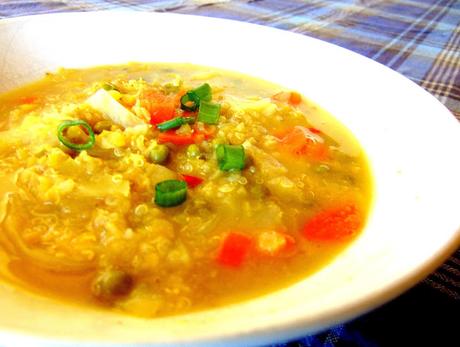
88 226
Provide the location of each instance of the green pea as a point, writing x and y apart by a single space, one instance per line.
159 154
193 151
109 284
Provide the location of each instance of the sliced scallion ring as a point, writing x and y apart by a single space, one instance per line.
209 112
76 146
230 157
170 193
203 92
190 101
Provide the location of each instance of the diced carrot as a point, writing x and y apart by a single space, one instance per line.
316 151
295 98
161 107
160 113
292 98
177 139
192 181
271 242
334 224
28 100
303 142
234 250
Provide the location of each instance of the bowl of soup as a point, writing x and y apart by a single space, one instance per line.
161 190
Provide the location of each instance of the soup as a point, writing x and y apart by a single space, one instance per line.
160 189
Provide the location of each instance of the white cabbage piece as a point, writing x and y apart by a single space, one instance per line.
105 103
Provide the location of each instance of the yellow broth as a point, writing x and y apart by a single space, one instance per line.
83 225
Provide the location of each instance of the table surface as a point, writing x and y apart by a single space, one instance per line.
418 38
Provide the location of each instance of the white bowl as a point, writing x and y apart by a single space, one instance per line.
413 143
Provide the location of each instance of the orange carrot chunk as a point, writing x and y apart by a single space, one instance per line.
292 98
177 139
234 249
160 113
334 224
295 98
302 141
28 100
161 107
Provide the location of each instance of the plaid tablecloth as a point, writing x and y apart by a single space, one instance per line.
418 38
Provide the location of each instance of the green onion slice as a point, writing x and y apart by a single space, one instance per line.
203 92
175 123
209 112
230 157
190 101
76 146
170 193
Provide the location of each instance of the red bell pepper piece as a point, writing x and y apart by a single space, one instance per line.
314 130
192 181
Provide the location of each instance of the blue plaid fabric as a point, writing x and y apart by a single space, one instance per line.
418 38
